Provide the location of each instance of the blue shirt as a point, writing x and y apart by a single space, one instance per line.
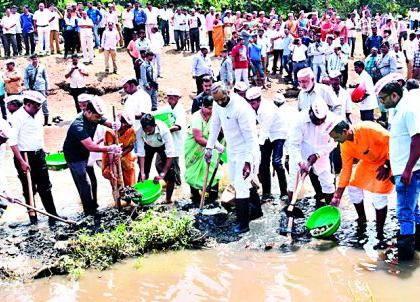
1 84
254 52
95 15
27 23
139 16
285 45
35 80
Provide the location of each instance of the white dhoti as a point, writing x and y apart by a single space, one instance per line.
357 195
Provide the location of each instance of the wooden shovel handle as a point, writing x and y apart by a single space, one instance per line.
29 181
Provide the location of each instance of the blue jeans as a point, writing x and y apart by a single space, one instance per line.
96 35
287 65
275 150
257 67
408 213
153 96
296 67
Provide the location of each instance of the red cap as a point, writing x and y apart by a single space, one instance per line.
358 93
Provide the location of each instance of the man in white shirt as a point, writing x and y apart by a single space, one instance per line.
86 37
156 45
5 132
194 24
228 22
42 18
409 48
151 18
298 58
138 102
309 148
277 40
27 143
273 122
180 23
8 23
165 15
311 90
55 29
16 15
404 151
76 73
369 103
128 26
201 67
110 38
316 51
178 128
237 119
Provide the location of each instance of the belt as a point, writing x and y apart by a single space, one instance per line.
42 25
299 61
33 152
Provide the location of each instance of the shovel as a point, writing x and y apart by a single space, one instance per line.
17 201
214 172
203 193
120 182
30 191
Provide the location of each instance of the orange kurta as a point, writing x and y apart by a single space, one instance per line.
127 139
371 147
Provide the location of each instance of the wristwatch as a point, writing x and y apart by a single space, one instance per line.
162 174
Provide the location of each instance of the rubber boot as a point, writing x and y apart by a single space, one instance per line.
328 198
406 247
195 196
46 123
380 222
417 237
242 215
361 220
255 211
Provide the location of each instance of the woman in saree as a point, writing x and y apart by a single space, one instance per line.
127 138
218 36
195 144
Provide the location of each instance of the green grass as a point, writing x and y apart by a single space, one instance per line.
151 231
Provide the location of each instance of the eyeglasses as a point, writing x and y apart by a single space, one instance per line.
382 98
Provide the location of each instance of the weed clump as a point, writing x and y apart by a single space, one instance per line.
151 231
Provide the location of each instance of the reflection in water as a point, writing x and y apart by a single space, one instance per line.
224 274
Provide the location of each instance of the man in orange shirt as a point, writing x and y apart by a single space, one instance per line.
367 142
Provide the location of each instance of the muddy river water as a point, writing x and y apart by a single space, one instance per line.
224 274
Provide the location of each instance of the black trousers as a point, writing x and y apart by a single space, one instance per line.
272 152
164 28
345 75
148 159
278 54
352 42
335 157
365 49
29 40
93 182
40 179
75 92
211 43
367 115
179 39
195 39
10 40
199 83
316 185
138 27
19 42
101 32
3 107
127 35
70 42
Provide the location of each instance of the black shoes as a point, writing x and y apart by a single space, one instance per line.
406 247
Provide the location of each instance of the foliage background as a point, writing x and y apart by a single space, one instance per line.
282 7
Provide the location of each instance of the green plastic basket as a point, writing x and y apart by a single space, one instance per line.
166 116
322 217
56 161
149 190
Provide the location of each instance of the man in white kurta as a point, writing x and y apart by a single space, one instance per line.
238 121
309 147
86 37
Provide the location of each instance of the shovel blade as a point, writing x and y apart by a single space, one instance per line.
295 212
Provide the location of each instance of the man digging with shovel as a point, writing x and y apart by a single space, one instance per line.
237 119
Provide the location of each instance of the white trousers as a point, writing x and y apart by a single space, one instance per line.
44 39
241 185
3 181
242 75
87 48
357 195
156 61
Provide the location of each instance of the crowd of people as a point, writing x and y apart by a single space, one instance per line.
230 118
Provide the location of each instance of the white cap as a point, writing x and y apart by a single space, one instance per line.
305 72
320 108
129 117
212 8
394 76
205 46
126 79
279 98
33 95
5 129
334 73
332 121
240 85
85 97
9 61
174 91
290 14
228 11
16 97
98 104
253 93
